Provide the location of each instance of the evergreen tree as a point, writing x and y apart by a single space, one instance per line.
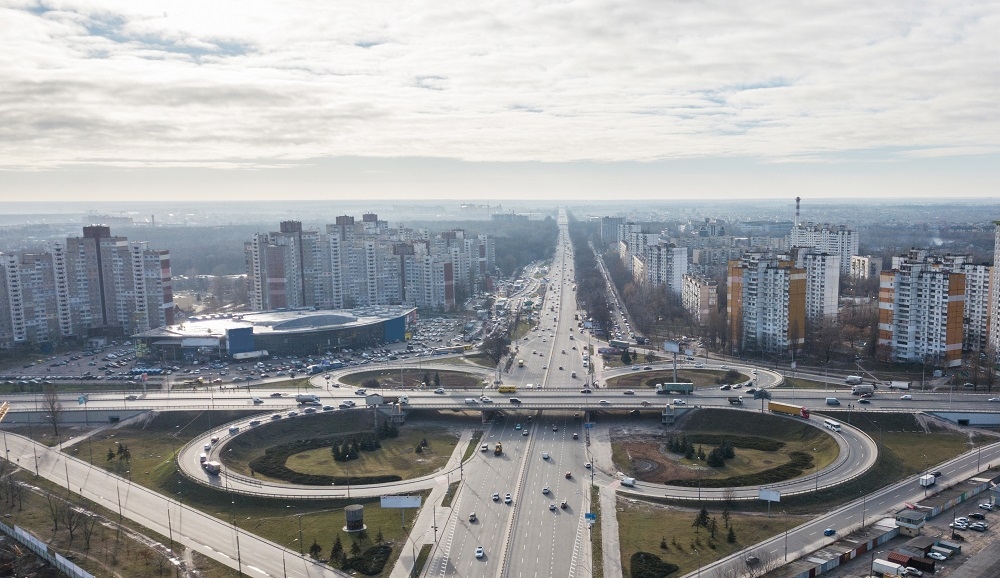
626 358
437 379
355 548
701 454
712 527
315 549
338 548
111 454
427 379
728 452
731 536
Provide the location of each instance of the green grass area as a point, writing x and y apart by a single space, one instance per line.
701 378
418 567
450 494
396 453
796 436
397 456
473 446
152 445
413 378
644 527
596 537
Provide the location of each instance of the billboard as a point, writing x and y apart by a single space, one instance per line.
769 495
671 347
400 501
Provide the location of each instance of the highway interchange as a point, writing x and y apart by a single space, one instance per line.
533 535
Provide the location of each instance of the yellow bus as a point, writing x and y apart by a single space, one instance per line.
507 389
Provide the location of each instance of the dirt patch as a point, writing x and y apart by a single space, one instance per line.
649 460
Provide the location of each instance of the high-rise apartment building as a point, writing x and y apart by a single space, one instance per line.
700 297
865 266
611 230
661 264
993 308
822 282
365 263
825 238
922 309
766 304
91 286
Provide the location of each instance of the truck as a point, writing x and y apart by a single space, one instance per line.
682 388
905 385
887 568
520 363
307 398
736 400
628 482
862 389
853 380
498 450
928 480
788 409
212 467
619 343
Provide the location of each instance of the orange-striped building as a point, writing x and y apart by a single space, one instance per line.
766 304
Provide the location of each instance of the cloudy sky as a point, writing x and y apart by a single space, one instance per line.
125 99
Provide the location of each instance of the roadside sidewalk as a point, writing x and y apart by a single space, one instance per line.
422 530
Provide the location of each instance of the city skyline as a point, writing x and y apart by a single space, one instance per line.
577 100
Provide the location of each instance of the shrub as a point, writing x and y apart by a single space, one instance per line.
646 565
371 561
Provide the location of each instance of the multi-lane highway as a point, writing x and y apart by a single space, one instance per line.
536 534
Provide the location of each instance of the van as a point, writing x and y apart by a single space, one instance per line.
471 401
832 401
203 458
234 429
628 482
572 374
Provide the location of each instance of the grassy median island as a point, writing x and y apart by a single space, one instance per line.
701 378
767 448
412 377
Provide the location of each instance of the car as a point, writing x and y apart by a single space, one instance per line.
576 436
472 518
131 397
545 490
604 402
515 400
552 507
277 394
569 475
480 552
986 506
647 368
829 532
361 392
977 516
328 408
485 399
865 401
564 504
344 406
635 368
439 391
936 473
517 427
276 417
588 465
484 447
699 365
555 427
507 498
911 571
586 390
752 390
866 395
496 496
628 392
257 401
936 556
906 397
726 387
293 413
679 402
958 526
994 399
978 527
524 432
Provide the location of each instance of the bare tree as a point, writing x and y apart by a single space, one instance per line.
50 398
55 508
73 517
87 527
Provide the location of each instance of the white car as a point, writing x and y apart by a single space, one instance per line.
628 392
936 556
588 465
507 498
545 490
480 552
604 402
994 399
986 506
496 497
906 397
679 402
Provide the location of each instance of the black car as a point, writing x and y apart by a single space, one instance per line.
586 390
515 400
977 516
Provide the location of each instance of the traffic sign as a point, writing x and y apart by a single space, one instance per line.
590 516
588 425
82 399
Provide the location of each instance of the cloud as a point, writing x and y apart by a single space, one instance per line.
213 84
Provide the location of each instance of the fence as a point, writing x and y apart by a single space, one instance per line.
42 550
